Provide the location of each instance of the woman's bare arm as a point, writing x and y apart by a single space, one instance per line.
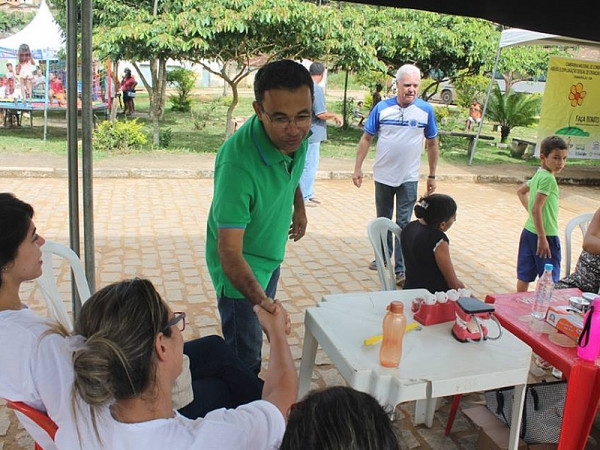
591 241
444 262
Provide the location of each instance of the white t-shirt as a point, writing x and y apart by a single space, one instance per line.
35 369
256 426
400 134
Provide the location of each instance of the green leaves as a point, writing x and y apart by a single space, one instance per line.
513 109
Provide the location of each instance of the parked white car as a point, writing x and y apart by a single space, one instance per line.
445 94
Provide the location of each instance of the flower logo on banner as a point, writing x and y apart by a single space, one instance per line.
576 96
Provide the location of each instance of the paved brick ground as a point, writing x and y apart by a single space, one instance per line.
155 228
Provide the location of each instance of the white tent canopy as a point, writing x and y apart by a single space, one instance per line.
43 35
513 37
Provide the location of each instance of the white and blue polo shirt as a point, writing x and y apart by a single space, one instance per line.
400 139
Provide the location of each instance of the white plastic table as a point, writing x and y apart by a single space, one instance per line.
433 363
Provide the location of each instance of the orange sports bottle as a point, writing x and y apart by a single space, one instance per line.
394 327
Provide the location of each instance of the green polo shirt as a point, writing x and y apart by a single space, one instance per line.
543 182
254 189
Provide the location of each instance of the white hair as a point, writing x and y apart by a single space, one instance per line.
407 69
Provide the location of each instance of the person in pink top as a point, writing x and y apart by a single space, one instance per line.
128 85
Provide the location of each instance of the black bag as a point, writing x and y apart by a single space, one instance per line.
542 412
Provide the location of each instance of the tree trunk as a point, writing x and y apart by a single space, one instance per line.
504 133
346 124
225 77
234 102
113 109
157 92
155 131
116 99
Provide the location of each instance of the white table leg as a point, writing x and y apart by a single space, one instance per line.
424 411
307 364
517 411
420 411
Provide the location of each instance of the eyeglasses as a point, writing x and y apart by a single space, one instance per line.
178 319
282 122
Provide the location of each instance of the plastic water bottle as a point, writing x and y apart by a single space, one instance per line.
394 327
543 293
589 341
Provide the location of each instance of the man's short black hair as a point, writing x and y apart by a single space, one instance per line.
284 74
317 68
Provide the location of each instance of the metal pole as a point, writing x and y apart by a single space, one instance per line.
87 126
487 97
71 88
46 93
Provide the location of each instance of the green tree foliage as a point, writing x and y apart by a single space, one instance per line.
438 42
354 49
184 81
233 38
525 63
513 109
470 87
242 35
11 22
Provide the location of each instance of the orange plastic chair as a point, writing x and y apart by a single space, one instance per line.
41 419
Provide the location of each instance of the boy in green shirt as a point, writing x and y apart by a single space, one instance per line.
539 243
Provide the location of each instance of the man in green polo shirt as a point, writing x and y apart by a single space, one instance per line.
256 198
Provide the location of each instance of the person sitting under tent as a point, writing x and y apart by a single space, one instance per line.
39 84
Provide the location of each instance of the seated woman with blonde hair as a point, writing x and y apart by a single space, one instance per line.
129 356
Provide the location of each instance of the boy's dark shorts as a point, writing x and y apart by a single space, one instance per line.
529 265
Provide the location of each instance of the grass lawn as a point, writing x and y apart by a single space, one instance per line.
203 130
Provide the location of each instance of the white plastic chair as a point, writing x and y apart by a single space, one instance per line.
48 286
582 220
378 230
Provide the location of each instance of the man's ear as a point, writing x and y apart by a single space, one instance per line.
257 109
160 347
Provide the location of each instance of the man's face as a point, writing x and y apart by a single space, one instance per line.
286 116
408 88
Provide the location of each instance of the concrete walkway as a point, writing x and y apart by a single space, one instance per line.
168 165
151 223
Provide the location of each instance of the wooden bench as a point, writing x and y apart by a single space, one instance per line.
469 136
520 148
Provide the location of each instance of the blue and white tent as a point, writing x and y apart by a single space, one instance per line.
43 35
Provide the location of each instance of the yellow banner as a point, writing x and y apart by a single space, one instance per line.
571 106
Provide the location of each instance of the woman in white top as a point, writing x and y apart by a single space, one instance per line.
130 354
35 366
